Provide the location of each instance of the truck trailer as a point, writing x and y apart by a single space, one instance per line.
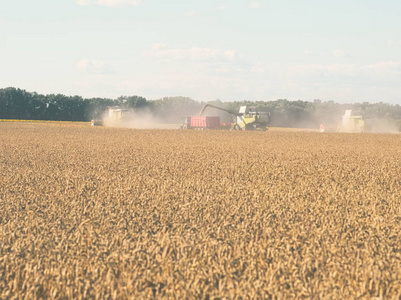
201 122
248 118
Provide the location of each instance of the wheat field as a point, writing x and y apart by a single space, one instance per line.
107 213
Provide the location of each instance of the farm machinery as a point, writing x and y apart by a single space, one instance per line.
352 123
247 118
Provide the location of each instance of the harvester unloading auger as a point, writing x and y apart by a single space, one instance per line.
248 118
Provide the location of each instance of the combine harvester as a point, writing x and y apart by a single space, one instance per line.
352 124
118 116
248 118
115 117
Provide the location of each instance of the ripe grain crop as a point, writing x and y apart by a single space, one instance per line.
107 213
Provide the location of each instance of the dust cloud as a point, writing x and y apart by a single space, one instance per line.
138 120
382 126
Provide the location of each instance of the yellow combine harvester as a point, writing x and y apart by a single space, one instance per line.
248 118
352 123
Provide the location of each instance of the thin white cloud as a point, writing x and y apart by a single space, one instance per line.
189 13
314 53
94 67
161 51
83 2
158 46
320 70
109 3
255 5
339 82
353 76
339 53
384 67
199 85
333 53
222 8
392 43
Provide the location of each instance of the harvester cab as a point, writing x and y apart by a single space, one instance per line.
117 116
249 118
186 124
352 123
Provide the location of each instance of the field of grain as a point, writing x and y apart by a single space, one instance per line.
107 213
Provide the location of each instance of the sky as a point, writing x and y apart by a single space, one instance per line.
345 50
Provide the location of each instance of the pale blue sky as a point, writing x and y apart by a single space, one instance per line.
346 51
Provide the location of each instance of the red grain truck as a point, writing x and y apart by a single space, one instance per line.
201 122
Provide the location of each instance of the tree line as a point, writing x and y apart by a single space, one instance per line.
16 103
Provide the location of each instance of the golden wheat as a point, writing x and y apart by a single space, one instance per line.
119 213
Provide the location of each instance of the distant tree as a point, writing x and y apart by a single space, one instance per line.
328 113
20 104
97 107
174 109
134 102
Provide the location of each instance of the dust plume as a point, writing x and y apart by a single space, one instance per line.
143 119
382 126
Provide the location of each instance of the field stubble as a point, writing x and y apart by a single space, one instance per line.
121 213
